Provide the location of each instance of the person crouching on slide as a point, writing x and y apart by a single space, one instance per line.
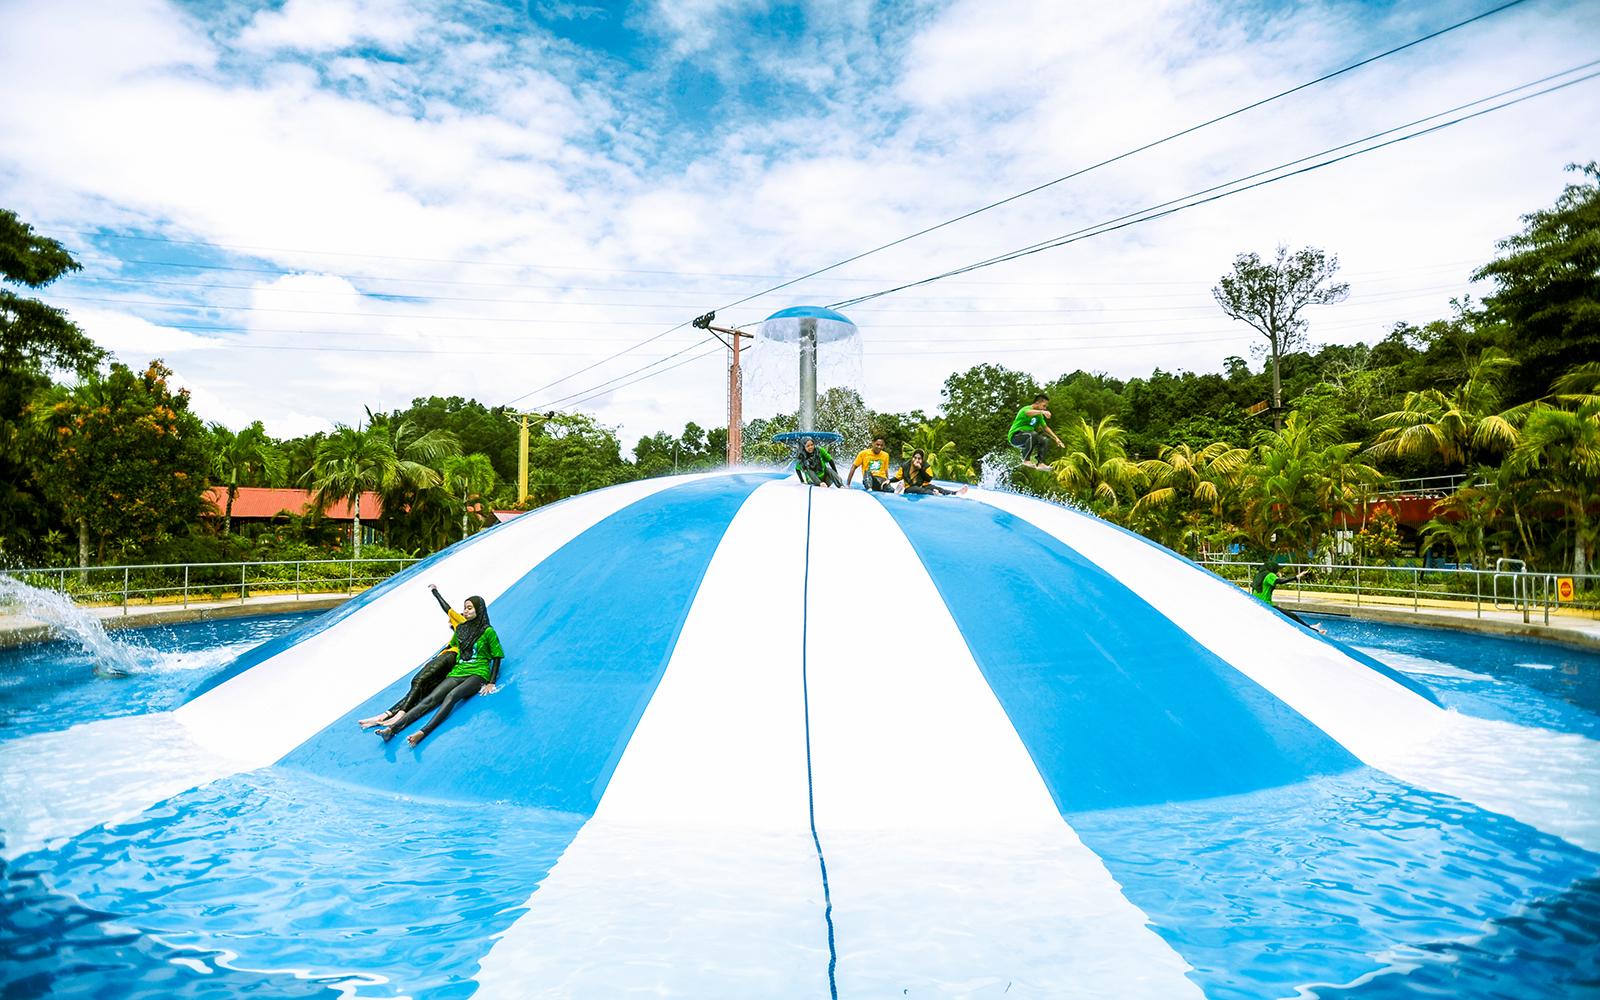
815 466
1027 432
432 672
476 671
914 477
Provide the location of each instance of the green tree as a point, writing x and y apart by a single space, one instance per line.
412 513
470 479
1271 296
979 405
1457 427
1096 468
573 454
243 459
352 461
1549 285
121 455
35 339
1562 448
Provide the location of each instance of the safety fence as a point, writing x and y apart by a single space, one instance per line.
1510 586
185 583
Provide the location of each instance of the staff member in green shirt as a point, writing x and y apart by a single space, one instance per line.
476 671
1028 430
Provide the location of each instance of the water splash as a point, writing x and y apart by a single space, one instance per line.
69 622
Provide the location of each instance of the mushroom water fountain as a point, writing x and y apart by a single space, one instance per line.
1017 752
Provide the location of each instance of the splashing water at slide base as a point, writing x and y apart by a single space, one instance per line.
1021 752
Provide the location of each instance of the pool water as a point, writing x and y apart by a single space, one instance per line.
273 883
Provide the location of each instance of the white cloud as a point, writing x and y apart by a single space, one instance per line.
320 25
383 177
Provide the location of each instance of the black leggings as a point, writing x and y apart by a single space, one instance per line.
445 697
873 484
1032 444
426 679
930 490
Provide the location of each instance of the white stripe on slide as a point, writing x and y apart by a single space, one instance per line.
273 707
696 876
1549 780
952 872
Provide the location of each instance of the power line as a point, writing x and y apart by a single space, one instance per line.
1237 185
1078 173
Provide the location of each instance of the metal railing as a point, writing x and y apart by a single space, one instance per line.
172 583
1510 586
1434 487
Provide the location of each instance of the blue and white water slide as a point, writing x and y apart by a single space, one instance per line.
831 741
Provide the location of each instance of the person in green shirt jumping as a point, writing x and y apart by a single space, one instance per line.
1028 431
477 670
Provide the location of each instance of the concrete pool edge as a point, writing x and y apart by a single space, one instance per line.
20 630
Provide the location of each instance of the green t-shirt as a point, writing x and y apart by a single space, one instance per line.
478 664
1024 422
1269 583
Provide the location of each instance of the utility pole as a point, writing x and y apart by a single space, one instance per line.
522 449
735 386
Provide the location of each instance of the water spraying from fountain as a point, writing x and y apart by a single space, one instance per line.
68 622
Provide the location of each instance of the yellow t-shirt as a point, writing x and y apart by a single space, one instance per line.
877 464
456 618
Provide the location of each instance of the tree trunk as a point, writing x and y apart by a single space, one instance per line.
227 518
463 515
83 546
355 524
1277 392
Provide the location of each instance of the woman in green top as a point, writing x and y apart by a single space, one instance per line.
476 671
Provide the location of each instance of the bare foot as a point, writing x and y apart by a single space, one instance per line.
386 733
416 737
376 720
961 492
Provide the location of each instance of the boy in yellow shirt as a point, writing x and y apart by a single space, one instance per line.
874 466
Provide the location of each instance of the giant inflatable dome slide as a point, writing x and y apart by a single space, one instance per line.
812 743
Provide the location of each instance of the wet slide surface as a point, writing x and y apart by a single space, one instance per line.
588 633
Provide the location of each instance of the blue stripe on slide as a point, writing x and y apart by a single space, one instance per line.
1115 703
1399 678
321 623
588 633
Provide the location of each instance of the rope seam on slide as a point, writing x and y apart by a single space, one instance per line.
811 795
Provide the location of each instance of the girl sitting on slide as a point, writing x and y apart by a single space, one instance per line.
476 671
432 672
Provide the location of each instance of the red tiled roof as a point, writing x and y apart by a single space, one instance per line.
256 501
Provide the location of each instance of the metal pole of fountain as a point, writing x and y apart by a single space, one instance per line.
808 373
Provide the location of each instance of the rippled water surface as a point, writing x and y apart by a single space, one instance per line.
274 884
50 686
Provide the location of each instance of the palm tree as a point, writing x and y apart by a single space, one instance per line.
943 462
1096 465
352 461
242 458
469 478
1192 483
419 459
1562 449
1458 427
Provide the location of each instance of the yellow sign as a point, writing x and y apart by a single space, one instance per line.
1564 588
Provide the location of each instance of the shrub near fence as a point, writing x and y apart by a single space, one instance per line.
1502 589
182 583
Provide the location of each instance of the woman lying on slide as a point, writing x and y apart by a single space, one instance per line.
476 671
432 672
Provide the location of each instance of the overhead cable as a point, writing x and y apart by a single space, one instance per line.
1033 190
1238 185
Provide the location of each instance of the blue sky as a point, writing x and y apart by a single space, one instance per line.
308 208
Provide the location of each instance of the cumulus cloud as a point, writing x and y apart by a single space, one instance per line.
460 200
